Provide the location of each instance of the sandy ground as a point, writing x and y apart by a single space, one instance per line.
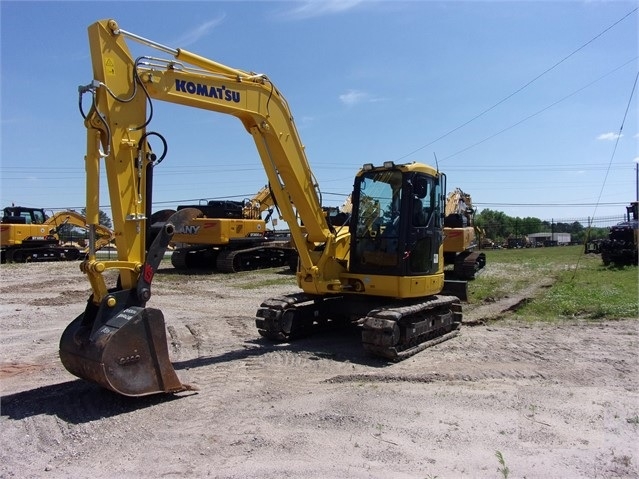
555 400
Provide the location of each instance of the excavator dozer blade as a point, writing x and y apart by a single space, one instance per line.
456 288
124 352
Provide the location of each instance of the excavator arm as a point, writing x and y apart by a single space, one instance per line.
262 201
102 235
118 342
123 92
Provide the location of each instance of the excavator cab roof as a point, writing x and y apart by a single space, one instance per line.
25 214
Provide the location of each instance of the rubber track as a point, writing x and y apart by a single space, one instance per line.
466 267
226 259
42 254
272 323
269 317
178 259
380 322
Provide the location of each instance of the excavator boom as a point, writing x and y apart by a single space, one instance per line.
118 141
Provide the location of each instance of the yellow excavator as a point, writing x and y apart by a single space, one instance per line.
461 255
30 235
230 236
380 269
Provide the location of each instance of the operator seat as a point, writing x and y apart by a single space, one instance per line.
420 217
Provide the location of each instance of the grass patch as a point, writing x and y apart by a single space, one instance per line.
591 292
583 287
257 283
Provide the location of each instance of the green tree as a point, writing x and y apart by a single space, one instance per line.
530 225
576 228
499 226
494 223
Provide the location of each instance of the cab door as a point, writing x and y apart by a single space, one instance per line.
425 232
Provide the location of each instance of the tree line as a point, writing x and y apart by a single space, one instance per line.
498 226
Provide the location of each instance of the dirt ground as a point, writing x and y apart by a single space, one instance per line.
555 400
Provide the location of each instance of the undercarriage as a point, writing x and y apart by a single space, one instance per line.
392 329
267 255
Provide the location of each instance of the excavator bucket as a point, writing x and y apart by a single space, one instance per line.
125 352
120 344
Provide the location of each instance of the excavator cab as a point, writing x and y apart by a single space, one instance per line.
397 218
22 215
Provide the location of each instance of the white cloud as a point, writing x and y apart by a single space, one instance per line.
353 97
317 8
194 35
609 136
304 122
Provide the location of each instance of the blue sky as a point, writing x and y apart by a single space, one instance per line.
522 103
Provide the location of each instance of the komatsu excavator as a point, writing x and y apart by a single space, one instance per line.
382 270
231 236
30 235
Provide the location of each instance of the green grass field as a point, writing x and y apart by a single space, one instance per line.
583 287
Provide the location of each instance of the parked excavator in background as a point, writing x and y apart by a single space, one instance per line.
622 247
381 271
487 243
30 235
230 236
518 242
460 238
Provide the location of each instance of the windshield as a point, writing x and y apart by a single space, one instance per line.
396 223
379 201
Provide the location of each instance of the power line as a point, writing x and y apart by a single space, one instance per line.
343 195
19 171
518 90
614 150
548 205
536 113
